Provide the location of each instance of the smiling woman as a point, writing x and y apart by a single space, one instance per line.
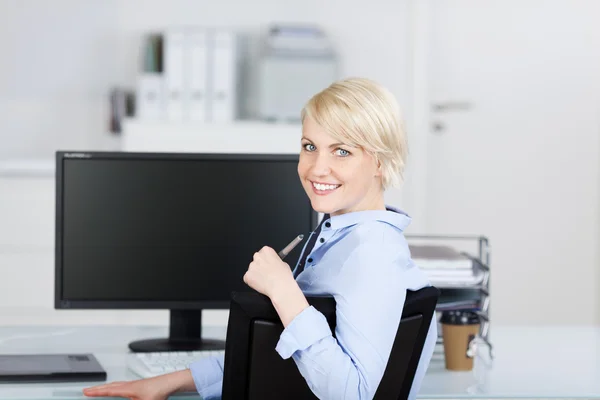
360 113
337 177
353 147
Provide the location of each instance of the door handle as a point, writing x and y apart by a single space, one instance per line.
451 106
438 127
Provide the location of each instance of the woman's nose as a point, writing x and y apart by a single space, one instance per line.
322 165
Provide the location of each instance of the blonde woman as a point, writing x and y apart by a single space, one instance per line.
353 148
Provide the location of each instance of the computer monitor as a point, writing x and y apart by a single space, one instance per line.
170 231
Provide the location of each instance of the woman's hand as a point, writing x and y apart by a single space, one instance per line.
272 277
157 388
267 274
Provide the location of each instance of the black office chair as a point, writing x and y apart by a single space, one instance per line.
253 370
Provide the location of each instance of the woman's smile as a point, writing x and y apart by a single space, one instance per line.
323 189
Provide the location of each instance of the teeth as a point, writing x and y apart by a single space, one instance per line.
320 186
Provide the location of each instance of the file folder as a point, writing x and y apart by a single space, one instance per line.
174 74
43 368
197 45
223 94
149 103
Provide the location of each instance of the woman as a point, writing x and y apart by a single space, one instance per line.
353 148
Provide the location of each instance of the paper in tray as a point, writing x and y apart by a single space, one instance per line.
439 258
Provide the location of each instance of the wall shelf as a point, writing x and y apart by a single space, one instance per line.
27 168
234 137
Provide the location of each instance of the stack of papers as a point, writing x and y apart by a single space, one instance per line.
444 266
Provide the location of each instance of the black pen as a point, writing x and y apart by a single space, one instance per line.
287 249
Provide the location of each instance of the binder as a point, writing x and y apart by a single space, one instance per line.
197 46
149 102
223 88
42 368
150 96
174 74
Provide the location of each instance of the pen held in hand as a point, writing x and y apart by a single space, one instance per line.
287 249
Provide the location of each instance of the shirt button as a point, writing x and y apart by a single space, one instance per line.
322 240
328 225
310 260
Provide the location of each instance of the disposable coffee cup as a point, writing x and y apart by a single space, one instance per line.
459 328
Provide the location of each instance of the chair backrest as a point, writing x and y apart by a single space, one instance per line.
253 370
400 370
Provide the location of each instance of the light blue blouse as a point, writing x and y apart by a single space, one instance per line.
361 259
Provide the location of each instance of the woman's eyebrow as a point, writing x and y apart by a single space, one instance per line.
330 146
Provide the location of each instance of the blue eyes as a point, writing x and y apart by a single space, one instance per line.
339 151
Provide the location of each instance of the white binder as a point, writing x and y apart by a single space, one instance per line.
223 88
174 73
149 96
197 46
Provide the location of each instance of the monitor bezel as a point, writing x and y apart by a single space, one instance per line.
61 156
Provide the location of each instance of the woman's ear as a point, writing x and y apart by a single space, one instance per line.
379 171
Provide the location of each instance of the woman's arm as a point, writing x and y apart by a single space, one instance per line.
289 301
207 376
159 387
349 366
370 291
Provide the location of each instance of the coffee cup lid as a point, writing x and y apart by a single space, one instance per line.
459 317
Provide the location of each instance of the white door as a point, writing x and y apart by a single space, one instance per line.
512 147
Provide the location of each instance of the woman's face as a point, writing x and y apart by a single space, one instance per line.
338 178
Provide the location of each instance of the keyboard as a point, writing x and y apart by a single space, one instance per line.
148 365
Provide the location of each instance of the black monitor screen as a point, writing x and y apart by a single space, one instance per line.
172 228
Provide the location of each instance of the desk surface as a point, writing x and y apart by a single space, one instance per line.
550 362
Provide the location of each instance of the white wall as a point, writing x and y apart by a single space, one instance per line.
55 74
60 59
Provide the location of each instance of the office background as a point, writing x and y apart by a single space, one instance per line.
532 112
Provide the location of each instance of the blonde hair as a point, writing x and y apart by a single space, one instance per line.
362 113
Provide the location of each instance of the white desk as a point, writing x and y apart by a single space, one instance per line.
530 362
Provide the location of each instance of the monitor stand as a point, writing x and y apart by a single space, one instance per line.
185 334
